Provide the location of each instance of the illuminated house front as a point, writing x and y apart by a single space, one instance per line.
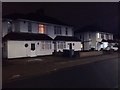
94 39
37 28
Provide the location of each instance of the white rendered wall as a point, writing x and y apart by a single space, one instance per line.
34 27
75 47
50 31
4 28
17 49
23 26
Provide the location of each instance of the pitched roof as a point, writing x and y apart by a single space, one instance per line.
26 36
36 17
66 38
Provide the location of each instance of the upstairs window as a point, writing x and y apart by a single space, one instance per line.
57 30
29 27
102 36
66 32
107 36
98 35
90 35
9 26
41 28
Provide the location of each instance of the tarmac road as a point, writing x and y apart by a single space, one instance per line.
102 74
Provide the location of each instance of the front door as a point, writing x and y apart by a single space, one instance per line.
70 46
33 50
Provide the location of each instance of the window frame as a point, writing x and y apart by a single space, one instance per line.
41 26
57 30
29 27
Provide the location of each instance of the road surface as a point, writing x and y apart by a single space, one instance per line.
102 74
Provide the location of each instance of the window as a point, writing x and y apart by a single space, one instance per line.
90 35
61 45
41 28
46 45
110 36
32 46
98 35
29 27
107 36
64 45
57 30
102 36
66 31
42 45
9 26
26 45
80 37
73 44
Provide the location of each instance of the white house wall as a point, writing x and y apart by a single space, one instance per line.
93 40
17 26
34 27
75 47
4 28
17 49
23 26
50 31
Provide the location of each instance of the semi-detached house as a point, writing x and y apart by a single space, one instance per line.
93 37
35 35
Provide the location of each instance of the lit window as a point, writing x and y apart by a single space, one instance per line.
81 45
9 26
98 35
41 28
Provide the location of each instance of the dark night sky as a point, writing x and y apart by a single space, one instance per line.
78 14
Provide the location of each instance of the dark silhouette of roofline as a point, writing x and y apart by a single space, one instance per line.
26 36
36 17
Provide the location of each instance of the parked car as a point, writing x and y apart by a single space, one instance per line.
114 48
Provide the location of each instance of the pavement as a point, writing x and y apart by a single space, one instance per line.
18 69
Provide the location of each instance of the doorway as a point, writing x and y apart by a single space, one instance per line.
33 50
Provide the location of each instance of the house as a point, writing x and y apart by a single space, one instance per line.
93 38
17 45
35 25
66 42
